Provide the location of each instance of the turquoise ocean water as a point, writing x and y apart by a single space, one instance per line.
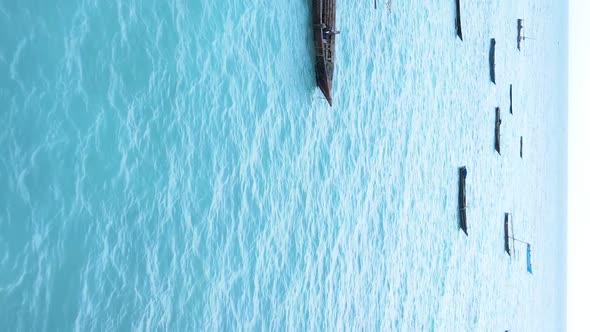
170 165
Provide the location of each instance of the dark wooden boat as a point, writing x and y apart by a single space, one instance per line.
497 131
510 98
458 19
324 37
520 146
462 200
493 60
519 37
506 235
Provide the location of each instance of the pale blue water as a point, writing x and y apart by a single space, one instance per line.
170 165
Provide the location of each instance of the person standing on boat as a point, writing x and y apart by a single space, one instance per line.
326 31
330 31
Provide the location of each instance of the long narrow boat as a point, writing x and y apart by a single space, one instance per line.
506 235
497 131
493 60
521 147
519 37
458 19
462 200
324 37
510 98
529 263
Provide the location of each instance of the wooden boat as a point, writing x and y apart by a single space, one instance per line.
458 19
520 36
462 200
493 60
324 37
520 146
506 234
510 98
497 131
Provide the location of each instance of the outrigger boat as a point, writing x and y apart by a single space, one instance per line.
458 19
497 131
493 60
507 237
462 200
324 37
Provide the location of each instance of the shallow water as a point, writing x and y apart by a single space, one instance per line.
171 165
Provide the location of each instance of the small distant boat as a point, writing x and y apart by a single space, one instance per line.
529 264
520 146
462 199
506 234
458 19
497 131
324 36
519 37
507 237
493 60
510 98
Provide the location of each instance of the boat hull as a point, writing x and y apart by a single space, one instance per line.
506 235
462 200
497 130
493 60
511 99
458 19
529 263
324 21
